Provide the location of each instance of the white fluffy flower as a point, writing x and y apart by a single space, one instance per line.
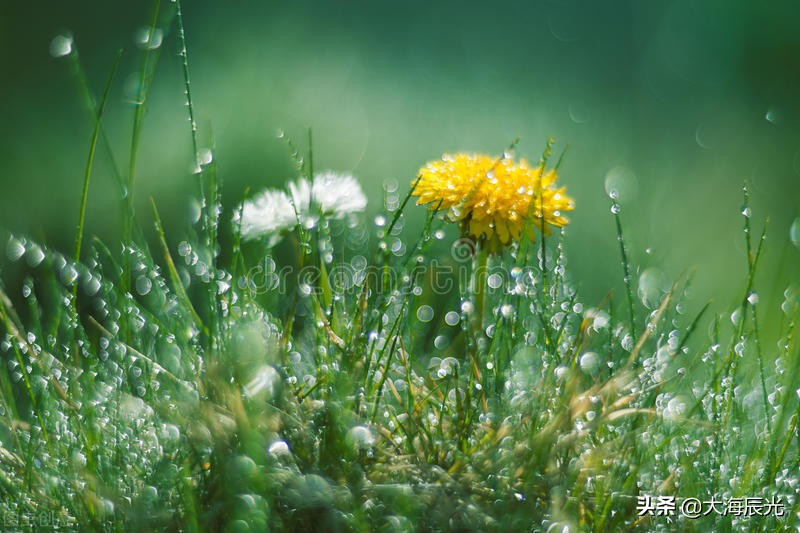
272 212
300 192
337 194
267 214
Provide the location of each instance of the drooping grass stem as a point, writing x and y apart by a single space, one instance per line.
90 161
626 269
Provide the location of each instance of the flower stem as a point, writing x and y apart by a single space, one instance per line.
479 284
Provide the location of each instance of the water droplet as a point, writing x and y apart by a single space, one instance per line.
752 298
205 157
278 448
773 115
652 285
390 185
34 255
360 438
266 381
91 285
747 211
794 232
494 281
61 45
589 362
425 313
736 317
14 249
451 318
507 310
69 275
143 285
441 342
448 366
615 208
149 38
467 307
674 409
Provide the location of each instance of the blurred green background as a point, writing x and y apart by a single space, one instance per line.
679 101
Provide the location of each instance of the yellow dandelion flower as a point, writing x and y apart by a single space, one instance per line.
493 198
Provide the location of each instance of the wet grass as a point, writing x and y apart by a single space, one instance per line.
360 376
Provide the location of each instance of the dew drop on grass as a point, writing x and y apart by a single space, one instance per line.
674 409
149 38
61 46
34 255
278 448
143 285
627 342
425 313
652 285
494 281
91 285
441 342
507 310
752 298
451 318
69 275
14 249
773 115
360 438
467 307
794 232
589 362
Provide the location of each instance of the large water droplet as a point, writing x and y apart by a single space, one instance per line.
794 232
266 382
149 38
494 281
34 255
14 249
143 285
61 46
425 313
773 115
360 438
278 448
589 362
451 318
652 285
